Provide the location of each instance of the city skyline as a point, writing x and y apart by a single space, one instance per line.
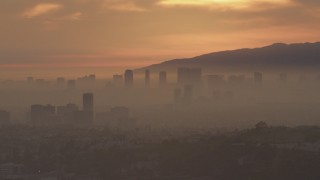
159 89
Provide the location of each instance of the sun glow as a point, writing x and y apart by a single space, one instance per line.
199 2
226 3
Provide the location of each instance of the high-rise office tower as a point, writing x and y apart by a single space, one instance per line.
162 78
71 84
92 77
188 93
147 77
215 80
42 114
236 79
60 81
36 113
87 81
190 76
117 80
88 102
66 113
41 82
88 109
128 78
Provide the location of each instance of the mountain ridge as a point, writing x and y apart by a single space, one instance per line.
272 57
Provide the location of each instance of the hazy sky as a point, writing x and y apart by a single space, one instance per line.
132 33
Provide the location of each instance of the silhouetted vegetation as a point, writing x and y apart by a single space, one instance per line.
259 153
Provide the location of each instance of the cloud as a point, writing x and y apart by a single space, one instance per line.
41 9
224 4
73 16
125 6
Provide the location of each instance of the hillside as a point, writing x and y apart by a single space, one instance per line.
304 56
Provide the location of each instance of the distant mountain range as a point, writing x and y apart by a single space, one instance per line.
276 57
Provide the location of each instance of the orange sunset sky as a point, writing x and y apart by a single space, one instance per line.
134 33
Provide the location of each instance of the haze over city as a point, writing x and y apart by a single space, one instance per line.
159 89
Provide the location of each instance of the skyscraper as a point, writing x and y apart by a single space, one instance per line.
188 93
88 102
92 77
147 78
66 113
190 76
42 114
71 84
118 80
162 78
215 80
60 81
128 78
88 109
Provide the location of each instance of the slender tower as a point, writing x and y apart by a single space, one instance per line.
88 102
88 108
147 78
128 79
162 78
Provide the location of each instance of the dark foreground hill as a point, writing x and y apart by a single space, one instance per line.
288 57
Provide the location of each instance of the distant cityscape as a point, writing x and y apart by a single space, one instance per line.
146 125
191 88
159 90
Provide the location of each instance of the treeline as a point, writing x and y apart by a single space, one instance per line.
243 155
